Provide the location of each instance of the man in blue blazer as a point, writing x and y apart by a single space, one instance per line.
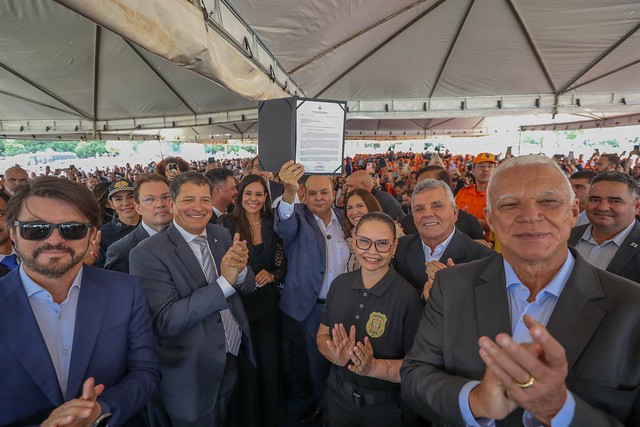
190 273
75 342
316 253
153 203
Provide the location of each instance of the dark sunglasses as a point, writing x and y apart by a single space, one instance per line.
34 230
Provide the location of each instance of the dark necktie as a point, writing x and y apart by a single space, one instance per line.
10 261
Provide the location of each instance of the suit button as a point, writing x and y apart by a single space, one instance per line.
206 317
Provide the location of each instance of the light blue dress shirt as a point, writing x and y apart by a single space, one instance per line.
540 310
56 322
601 255
438 251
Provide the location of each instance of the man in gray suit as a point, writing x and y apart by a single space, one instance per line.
153 204
190 274
562 353
611 239
438 243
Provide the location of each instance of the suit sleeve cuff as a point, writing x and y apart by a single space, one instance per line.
285 210
226 288
562 418
467 415
242 276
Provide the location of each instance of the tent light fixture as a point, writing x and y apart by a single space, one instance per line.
578 102
537 102
624 101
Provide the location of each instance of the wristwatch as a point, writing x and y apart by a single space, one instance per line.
102 420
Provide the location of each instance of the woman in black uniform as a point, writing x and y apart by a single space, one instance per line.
368 324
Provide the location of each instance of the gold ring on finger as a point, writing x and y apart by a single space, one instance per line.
528 383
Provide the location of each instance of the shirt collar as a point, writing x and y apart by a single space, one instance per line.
554 287
618 239
32 288
188 237
148 229
333 218
217 212
439 248
380 287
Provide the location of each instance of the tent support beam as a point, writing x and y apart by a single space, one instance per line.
45 91
439 123
532 45
608 73
42 104
356 35
418 124
380 46
596 61
453 44
96 76
157 74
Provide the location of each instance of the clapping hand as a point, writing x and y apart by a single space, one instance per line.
235 260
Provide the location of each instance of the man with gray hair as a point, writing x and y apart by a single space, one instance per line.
611 240
438 243
553 331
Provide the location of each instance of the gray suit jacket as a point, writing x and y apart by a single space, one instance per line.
626 261
409 259
118 252
185 311
596 320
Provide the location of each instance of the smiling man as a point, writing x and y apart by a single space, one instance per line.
153 203
191 273
612 240
76 345
552 330
438 242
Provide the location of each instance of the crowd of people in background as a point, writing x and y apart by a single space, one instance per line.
412 289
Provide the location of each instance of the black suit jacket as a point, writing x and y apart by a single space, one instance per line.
626 261
409 259
275 190
466 223
596 319
118 253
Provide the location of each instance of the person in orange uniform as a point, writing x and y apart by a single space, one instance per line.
473 197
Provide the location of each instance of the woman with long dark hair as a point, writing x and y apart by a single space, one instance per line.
257 400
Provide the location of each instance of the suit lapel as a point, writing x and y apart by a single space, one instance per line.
92 303
627 251
20 332
492 304
575 318
322 245
186 255
454 249
417 260
218 248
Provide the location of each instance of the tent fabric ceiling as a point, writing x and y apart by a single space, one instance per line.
62 71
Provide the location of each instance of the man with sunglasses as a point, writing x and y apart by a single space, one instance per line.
153 204
75 342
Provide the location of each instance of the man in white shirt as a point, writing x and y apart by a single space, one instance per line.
612 240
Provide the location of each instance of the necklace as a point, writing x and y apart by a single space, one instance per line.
256 223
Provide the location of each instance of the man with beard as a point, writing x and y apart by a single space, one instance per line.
76 345
153 203
13 177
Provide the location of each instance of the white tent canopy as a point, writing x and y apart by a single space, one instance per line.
116 67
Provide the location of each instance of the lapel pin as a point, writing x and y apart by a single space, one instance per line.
215 240
634 245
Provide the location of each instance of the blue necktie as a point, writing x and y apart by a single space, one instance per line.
232 330
10 261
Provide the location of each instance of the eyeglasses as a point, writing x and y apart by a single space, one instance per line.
383 246
152 199
33 230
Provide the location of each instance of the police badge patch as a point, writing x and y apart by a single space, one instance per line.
376 324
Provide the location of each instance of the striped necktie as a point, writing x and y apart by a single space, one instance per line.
232 330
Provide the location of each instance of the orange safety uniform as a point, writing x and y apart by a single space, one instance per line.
471 200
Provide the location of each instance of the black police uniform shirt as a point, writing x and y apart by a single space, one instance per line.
112 231
388 313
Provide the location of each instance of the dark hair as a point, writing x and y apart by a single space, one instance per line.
613 176
441 173
160 167
144 178
370 202
239 215
72 192
586 174
188 178
218 175
612 158
380 217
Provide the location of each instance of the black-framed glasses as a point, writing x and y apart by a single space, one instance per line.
364 243
152 199
37 230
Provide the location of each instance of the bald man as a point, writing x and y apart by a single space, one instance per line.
316 253
13 177
389 204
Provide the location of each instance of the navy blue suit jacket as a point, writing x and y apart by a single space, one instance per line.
118 252
185 311
304 246
113 343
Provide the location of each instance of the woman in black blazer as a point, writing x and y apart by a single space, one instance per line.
259 398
